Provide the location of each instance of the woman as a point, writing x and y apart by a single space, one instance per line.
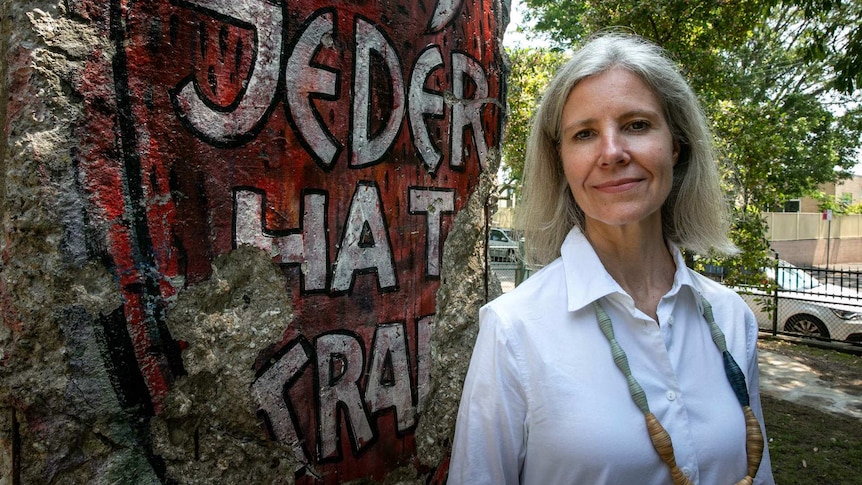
577 372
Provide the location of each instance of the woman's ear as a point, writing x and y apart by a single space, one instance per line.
676 149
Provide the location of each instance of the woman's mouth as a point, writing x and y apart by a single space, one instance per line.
617 185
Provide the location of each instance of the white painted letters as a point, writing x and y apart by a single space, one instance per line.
433 203
306 247
269 393
468 112
423 103
389 375
367 149
340 361
339 365
304 81
365 244
234 123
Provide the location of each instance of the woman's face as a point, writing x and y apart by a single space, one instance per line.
617 149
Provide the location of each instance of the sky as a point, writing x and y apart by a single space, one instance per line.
513 38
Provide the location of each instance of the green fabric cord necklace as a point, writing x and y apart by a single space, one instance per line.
660 438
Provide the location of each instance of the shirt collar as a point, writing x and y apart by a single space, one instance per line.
587 280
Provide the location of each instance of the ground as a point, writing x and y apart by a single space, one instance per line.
842 369
808 446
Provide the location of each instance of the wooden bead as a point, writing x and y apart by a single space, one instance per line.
753 442
664 446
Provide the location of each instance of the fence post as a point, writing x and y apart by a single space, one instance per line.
775 299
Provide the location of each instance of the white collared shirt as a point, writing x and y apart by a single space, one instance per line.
544 403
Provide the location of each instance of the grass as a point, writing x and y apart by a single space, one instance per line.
812 447
808 446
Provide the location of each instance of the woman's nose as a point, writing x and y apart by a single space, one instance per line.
613 149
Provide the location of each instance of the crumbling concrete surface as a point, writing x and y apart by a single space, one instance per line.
61 419
209 431
143 308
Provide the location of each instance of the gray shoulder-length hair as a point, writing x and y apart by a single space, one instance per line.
695 214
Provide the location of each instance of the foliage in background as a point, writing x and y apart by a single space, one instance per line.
745 268
835 40
696 33
836 204
778 79
784 131
531 71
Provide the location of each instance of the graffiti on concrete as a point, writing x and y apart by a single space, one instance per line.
340 138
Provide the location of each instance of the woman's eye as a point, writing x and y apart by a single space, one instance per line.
639 125
582 135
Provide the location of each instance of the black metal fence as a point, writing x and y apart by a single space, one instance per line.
809 302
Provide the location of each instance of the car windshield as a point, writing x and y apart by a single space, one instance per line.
794 279
497 235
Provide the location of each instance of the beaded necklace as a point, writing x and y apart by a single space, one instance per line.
658 435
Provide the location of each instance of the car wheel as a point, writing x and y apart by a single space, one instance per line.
807 326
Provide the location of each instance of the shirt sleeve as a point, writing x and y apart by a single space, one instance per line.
490 430
764 473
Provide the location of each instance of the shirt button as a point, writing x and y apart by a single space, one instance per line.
671 395
670 320
687 472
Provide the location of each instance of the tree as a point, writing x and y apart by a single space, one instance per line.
836 41
780 129
695 32
531 71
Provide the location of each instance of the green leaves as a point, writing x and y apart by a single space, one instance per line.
531 71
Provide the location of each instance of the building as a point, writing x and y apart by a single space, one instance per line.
848 191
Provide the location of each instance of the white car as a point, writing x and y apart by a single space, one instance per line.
502 246
807 306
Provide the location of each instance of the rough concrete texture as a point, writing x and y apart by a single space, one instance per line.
466 287
209 431
141 331
62 420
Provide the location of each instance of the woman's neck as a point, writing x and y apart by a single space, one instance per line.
638 258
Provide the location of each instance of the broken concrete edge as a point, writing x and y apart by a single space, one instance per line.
62 420
50 298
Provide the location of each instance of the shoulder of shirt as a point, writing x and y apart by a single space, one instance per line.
546 288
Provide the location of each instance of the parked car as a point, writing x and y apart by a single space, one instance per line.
502 245
807 306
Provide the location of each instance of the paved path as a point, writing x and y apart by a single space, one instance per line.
786 378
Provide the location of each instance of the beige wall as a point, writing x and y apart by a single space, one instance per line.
807 239
812 252
504 217
791 226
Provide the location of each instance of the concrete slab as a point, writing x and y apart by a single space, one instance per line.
784 377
